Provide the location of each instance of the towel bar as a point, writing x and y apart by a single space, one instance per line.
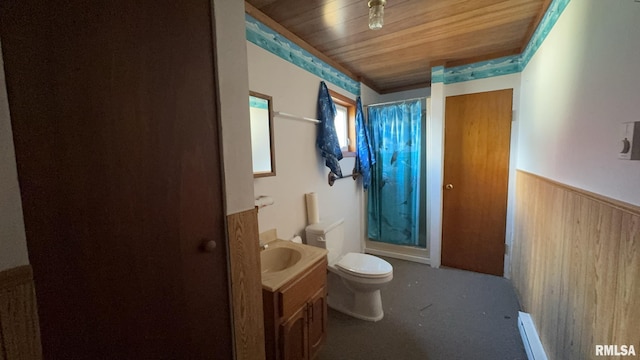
296 117
333 177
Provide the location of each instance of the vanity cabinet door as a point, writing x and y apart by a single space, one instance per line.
317 319
294 336
296 316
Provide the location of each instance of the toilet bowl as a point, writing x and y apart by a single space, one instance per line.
354 279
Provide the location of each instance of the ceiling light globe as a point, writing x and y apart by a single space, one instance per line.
376 13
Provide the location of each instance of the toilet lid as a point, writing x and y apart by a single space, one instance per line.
364 265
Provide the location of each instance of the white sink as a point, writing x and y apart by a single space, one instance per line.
278 259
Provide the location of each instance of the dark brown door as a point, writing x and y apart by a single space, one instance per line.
476 173
113 108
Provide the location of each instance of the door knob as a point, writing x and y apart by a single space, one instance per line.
208 246
448 186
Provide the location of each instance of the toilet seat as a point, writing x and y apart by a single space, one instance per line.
364 265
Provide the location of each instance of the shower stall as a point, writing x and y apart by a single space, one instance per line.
397 213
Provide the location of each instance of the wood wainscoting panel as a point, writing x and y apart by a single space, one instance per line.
19 327
576 267
626 327
246 285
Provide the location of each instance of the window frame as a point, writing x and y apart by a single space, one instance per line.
350 104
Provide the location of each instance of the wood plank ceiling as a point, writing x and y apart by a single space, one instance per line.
417 34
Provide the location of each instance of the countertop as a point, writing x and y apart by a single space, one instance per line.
310 255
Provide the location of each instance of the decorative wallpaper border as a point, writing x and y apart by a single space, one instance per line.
484 69
544 28
437 74
258 103
270 40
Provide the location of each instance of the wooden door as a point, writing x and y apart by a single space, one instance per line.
317 321
113 108
476 173
294 336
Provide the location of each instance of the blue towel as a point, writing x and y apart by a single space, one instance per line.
327 140
365 157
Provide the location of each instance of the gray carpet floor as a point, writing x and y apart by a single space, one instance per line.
432 314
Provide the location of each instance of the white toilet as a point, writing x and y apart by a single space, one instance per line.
354 279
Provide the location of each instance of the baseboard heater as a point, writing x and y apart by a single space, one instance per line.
530 338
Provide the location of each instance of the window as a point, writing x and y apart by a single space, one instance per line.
345 122
342 126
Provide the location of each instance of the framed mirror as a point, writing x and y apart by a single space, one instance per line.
262 146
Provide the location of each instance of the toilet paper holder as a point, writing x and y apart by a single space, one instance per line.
262 201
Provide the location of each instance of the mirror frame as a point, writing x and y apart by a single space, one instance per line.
271 136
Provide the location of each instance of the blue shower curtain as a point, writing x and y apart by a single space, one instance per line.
394 195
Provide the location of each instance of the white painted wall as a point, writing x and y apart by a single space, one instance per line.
368 95
581 84
405 95
233 90
299 167
511 81
13 243
435 169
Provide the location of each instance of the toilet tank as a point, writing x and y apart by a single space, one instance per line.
329 235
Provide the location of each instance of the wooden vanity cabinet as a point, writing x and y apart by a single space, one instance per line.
295 316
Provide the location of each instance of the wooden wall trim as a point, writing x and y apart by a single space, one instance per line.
576 267
246 285
624 206
19 327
